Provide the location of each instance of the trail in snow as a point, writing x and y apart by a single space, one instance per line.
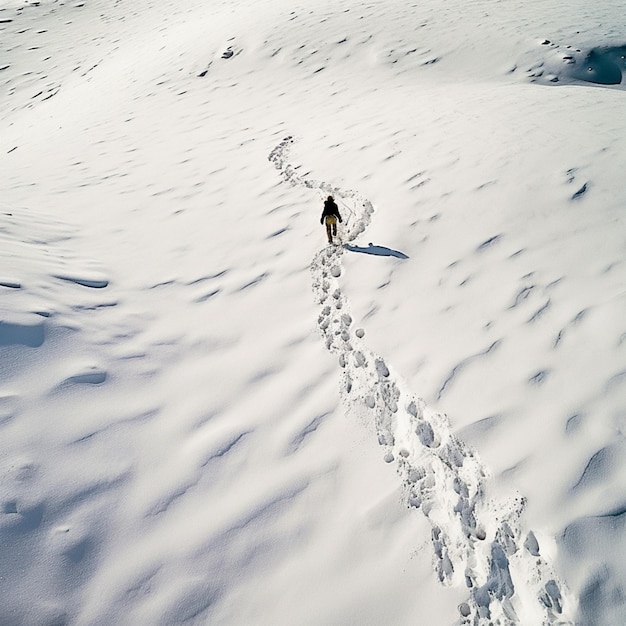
478 540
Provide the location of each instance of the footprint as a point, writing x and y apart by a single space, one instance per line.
359 359
531 544
425 433
382 369
553 594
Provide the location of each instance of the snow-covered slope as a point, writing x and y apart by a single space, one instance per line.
207 416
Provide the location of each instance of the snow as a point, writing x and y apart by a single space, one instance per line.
209 416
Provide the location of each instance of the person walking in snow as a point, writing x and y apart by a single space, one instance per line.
330 215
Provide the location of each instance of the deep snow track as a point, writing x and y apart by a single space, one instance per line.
477 540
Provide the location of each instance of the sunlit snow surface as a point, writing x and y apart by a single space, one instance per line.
209 416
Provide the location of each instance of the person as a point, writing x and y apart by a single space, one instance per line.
330 215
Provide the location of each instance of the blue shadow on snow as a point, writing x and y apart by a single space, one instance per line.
376 250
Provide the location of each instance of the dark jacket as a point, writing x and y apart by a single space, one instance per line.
330 208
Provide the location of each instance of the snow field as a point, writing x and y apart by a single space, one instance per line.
174 448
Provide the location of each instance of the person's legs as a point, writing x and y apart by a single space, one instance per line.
331 227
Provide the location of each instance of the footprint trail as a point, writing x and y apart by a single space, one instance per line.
478 541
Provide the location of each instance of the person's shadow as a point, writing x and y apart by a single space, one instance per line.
376 250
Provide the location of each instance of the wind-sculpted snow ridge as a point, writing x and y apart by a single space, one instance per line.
551 63
477 540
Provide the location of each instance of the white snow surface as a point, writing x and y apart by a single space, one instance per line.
210 416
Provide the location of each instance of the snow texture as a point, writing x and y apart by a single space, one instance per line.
208 416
